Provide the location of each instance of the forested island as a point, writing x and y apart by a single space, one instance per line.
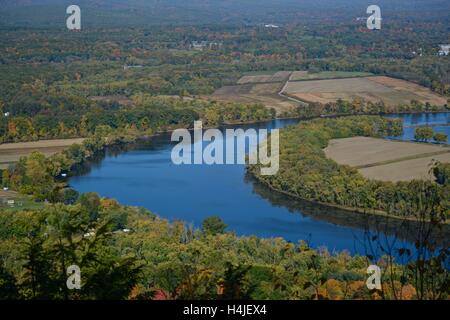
306 172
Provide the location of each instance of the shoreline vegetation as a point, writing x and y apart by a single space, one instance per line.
139 256
357 210
104 136
307 174
130 253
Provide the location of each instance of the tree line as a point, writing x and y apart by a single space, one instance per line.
305 171
68 117
129 253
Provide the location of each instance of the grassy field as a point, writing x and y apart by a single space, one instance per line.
393 92
387 160
280 76
122 100
324 87
305 75
12 152
264 93
11 200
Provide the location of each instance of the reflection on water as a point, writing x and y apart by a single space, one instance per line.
438 121
399 230
142 174
423 118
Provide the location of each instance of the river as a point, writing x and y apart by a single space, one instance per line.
438 121
144 175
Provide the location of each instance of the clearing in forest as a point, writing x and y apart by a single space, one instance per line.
280 76
305 75
387 160
286 90
266 94
12 152
392 92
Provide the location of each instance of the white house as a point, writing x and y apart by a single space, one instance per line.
138 66
199 45
445 49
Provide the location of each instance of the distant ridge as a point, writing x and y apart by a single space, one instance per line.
103 13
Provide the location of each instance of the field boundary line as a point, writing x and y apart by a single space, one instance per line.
338 78
283 95
418 156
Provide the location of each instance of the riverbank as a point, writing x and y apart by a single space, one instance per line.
142 174
49 147
307 173
386 159
94 145
299 118
361 211
10 153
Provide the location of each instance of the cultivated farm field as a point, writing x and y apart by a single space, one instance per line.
263 93
12 152
387 160
286 90
392 92
279 76
305 75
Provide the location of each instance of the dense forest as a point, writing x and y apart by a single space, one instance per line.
44 61
129 253
67 117
55 83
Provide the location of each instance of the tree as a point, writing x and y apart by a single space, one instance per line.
234 285
212 117
83 126
90 202
75 152
441 172
37 268
38 180
5 178
8 288
440 137
69 196
50 240
423 133
213 225
145 124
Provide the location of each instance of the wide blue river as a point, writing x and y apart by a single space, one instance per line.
144 175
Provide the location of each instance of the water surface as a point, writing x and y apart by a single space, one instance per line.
145 176
438 121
